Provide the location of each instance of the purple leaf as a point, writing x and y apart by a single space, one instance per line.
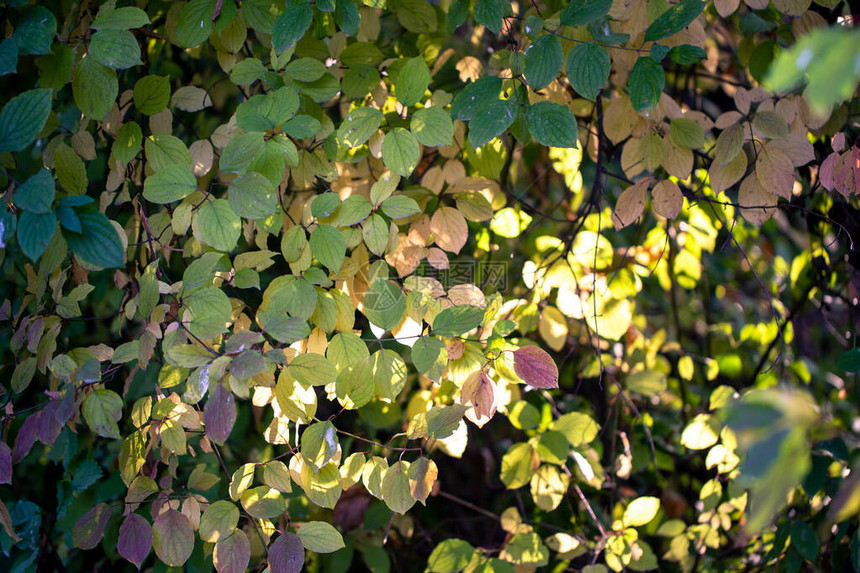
135 539
88 531
26 437
5 463
173 538
219 414
286 554
233 553
536 367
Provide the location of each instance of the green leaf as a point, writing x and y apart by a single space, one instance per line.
320 537
400 206
389 374
117 49
218 225
640 511
70 169
165 150
263 502
102 410
195 23
151 94
359 125
475 96
35 31
646 83
580 12
252 196
171 184
247 71
324 205
457 320
400 151
312 370
94 87
578 428
291 25
675 19
347 17
416 16
587 68
352 211
121 19
302 127
544 59
450 555
268 112
430 357
552 124
23 118
395 489
805 541
384 304
98 243
36 194
412 81
686 54
849 361
686 133
491 12
319 442
128 142
491 121
35 232
8 57
518 465
432 126
210 311
240 152
328 246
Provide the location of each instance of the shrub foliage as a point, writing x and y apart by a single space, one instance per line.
394 284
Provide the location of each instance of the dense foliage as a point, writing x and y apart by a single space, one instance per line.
394 284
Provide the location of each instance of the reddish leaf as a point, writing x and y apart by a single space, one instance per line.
536 367
135 539
286 554
219 414
88 531
5 463
173 537
26 438
233 553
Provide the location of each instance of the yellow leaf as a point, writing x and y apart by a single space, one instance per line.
553 327
640 511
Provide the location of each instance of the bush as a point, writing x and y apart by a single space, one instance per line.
480 286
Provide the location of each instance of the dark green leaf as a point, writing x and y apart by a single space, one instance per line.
35 31
121 19
347 18
8 57
686 54
645 83
458 11
36 194
35 232
291 25
117 49
579 12
23 118
675 19
98 243
491 12
195 23
412 81
128 142
552 124
491 121
587 68
328 246
544 59
849 361
475 96
151 94
95 87
252 196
